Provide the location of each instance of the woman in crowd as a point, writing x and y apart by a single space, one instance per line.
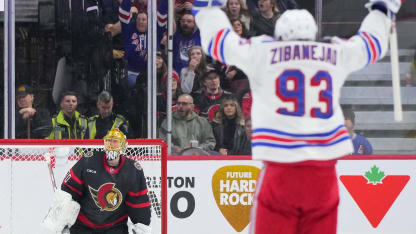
192 74
263 23
161 69
162 97
240 28
228 126
237 9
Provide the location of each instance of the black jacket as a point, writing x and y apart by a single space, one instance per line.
237 142
108 195
40 125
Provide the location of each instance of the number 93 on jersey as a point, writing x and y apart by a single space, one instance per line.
305 96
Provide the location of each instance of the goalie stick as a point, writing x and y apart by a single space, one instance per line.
48 158
394 59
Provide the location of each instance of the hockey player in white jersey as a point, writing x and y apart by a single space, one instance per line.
298 126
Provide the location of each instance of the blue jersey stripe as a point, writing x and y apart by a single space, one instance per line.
209 48
200 3
324 134
368 49
267 144
222 46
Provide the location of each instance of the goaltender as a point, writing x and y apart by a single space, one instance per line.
100 192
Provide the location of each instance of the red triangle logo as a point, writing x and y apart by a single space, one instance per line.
374 200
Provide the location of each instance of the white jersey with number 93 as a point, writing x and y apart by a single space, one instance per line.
296 85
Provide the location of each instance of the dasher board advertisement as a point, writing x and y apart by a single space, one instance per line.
214 195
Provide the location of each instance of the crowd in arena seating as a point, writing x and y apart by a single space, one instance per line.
211 101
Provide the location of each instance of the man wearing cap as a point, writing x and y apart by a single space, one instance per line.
208 99
31 122
68 123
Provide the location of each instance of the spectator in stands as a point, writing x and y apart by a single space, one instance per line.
282 5
161 69
209 97
410 78
237 10
162 97
187 126
235 80
246 144
246 101
182 6
106 120
228 127
191 75
68 123
184 38
263 23
240 28
361 145
135 42
31 122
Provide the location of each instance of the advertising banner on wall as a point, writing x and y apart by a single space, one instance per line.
215 196
217 199
376 196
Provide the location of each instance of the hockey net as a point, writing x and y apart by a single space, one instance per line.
151 153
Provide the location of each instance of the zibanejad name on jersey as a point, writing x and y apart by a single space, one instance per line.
313 52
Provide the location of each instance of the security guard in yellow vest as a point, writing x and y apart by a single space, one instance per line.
99 125
68 123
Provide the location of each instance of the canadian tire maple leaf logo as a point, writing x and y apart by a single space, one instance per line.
375 192
375 176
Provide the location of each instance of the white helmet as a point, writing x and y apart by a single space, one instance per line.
295 25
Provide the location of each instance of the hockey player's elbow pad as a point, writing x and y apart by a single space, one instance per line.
384 5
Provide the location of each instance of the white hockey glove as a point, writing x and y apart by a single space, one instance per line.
200 4
391 5
63 212
140 228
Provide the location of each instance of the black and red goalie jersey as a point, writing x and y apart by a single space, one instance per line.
108 195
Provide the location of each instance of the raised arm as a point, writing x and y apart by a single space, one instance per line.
371 41
220 41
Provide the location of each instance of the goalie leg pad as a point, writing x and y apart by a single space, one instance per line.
63 212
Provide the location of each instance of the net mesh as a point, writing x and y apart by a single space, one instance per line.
36 153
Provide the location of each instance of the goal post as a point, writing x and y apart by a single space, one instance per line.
29 184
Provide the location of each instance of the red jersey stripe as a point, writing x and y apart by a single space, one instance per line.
86 221
75 177
138 193
73 189
141 205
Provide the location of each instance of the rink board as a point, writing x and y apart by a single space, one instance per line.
194 185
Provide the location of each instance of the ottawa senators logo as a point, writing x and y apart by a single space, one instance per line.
106 197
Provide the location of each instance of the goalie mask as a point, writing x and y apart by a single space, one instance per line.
295 25
114 143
